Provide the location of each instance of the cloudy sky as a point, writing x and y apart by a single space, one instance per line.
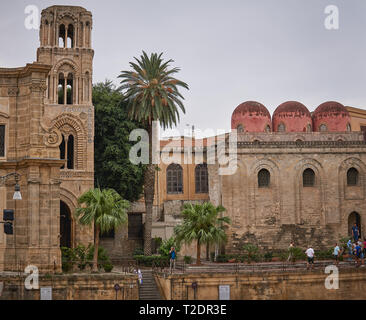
229 51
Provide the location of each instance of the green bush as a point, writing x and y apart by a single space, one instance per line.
222 258
251 252
68 258
268 256
108 267
149 261
325 254
297 254
138 252
166 245
188 259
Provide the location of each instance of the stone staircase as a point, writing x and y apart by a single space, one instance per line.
149 290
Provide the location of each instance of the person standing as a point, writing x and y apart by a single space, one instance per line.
310 254
290 250
357 253
173 255
336 253
355 232
350 252
139 274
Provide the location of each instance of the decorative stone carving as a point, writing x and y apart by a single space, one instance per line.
13 92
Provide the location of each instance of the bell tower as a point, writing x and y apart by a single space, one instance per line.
66 45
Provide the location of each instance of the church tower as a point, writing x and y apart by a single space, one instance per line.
65 45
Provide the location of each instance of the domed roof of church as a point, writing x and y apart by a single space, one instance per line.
251 116
292 116
331 116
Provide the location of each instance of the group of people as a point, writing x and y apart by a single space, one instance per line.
356 250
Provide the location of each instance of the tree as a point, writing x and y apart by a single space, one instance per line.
201 223
113 168
105 209
152 95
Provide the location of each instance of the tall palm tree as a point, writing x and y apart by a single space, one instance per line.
152 95
105 209
201 223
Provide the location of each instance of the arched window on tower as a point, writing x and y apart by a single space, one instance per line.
61 36
352 177
70 88
263 178
240 128
174 179
70 152
201 178
348 127
308 128
61 89
62 150
87 87
308 178
268 128
70 36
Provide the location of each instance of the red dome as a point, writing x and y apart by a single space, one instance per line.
251 116
331 116
292 116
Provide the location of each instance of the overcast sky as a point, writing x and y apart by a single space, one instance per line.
229 51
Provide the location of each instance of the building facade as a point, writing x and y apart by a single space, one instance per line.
300 177
47 132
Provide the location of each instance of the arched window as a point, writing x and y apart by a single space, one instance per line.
70 36
348 127
240 128
70 152
323 128
352 177
268 128
308 178
308 128
201 178
61 89
281 128
61 36
174 179
70 89
263 178
62 150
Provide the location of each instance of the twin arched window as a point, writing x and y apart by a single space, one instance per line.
352 177
66 36
281 127
67 151
174 178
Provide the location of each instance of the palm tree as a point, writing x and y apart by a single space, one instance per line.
105 210
152 95
202 223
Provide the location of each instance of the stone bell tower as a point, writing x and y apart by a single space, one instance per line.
65 44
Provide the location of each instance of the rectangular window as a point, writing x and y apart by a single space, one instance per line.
135 228
2 140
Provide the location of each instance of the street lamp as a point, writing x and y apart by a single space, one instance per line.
17 195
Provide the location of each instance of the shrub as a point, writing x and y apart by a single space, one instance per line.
187 259
166 245
149 261
138 252
297 254
68 258
251 252
222 258
107 267
325 254
268 256
103 257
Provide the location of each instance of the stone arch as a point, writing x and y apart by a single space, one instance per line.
71 124
71 201
346 164
66 61
274 189
319 184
